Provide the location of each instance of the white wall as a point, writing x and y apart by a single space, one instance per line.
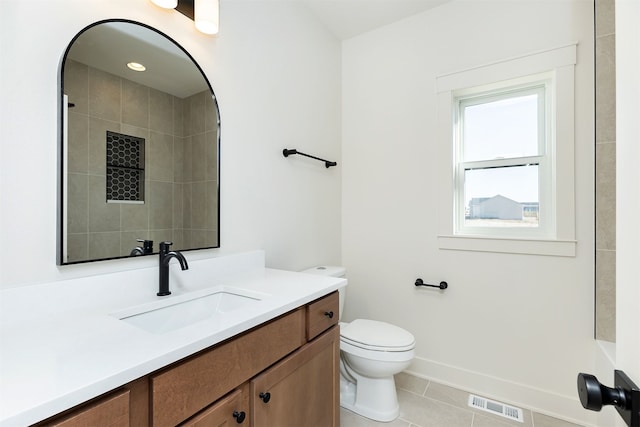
515 327
628 179
276 73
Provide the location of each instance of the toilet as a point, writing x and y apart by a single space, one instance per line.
371 353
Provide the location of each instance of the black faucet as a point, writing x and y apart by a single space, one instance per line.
145 249
165 257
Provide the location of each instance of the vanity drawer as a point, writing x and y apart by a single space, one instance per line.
112 411
322 314
184 389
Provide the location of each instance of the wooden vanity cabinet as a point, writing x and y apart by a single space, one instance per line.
294 359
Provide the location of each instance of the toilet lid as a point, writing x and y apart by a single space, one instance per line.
373 334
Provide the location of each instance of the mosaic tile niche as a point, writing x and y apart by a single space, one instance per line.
125 168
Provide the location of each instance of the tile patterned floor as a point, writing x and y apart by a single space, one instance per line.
424 403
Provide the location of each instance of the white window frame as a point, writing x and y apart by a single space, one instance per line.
556 234
538 84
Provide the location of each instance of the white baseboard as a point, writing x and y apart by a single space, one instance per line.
566 408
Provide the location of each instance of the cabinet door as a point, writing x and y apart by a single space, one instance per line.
302 389
231 410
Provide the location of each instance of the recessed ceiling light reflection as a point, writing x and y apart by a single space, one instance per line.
136 66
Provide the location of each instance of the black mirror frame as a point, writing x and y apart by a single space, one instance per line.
60 231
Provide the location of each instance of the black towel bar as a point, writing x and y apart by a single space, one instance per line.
443 285
287 152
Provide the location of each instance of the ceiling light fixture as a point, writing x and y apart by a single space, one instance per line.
204 13
207 16
136 66
165 4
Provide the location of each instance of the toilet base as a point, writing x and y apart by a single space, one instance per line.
374 398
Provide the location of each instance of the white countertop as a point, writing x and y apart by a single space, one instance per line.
61 344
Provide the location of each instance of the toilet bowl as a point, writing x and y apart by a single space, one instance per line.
371 353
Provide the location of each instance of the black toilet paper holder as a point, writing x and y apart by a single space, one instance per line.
443 285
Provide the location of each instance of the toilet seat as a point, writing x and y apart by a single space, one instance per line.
376 355
377 348
372 335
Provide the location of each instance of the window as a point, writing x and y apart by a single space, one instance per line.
506 150
502 174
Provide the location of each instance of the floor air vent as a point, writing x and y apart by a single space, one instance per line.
497 408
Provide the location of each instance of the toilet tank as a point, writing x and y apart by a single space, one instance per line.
331 271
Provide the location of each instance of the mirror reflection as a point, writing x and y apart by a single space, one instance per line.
139 146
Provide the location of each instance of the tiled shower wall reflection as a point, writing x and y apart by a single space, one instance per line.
196 215
180 165
605 170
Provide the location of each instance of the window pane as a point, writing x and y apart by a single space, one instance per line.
504 128
502 197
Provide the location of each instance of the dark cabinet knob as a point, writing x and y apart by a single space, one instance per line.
265 396
594 396
239 416
329 314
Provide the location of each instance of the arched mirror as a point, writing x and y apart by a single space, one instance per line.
139 146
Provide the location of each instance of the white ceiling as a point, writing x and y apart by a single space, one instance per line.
348 18
109 46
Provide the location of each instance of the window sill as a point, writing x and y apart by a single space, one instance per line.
564 248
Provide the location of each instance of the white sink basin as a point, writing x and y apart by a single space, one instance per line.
183 311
